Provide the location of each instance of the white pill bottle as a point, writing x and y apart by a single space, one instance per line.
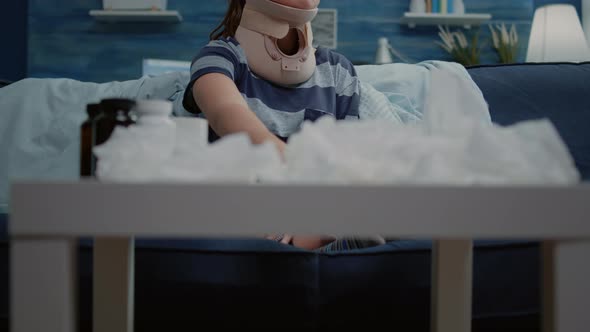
154 117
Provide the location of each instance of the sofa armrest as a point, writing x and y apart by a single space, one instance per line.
554 91
4 83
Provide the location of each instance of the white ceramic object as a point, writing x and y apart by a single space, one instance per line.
417 6
383 56
557 35
458 7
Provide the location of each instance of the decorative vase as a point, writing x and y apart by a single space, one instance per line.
383 56
458 7
417 6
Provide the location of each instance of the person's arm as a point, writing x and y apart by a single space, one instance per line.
227 112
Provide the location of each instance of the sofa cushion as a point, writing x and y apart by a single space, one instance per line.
557 91
199 281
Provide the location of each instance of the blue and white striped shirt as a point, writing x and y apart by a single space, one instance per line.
333 89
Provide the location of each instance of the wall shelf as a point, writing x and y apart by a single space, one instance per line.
156 16
466 20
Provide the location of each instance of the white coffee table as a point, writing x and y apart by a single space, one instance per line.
48 217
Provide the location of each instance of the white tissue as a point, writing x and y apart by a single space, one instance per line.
232 159
134 154
140 154
373 152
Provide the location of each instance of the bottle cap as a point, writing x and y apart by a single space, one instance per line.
154 107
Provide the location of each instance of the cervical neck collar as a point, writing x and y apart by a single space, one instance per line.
263 23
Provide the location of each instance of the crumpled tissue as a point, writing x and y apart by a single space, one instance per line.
141 154
372 152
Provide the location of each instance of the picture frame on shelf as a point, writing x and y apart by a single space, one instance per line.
325 28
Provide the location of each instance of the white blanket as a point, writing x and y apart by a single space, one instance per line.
40 121
397 92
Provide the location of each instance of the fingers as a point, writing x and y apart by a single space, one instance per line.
281 238
287 238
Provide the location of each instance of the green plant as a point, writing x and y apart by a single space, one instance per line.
456 44
505 42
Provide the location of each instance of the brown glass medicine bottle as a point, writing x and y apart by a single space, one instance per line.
114 112
87 135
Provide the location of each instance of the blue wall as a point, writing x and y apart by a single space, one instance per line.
64 41
13 38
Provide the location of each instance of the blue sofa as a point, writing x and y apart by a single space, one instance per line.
239 283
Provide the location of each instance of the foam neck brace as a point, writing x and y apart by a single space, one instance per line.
273 19
263 23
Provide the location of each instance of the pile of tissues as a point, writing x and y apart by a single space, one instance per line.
378 153
135 154
345 152
455 143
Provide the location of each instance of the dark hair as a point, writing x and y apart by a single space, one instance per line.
231 21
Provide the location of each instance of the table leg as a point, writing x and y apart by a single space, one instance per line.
113 285
452 270
548 284
566 291
43 285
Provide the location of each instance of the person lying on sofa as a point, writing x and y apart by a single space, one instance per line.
261 75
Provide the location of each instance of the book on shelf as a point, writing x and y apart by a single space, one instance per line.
440 6
436 6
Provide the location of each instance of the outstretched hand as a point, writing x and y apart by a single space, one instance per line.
302 241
